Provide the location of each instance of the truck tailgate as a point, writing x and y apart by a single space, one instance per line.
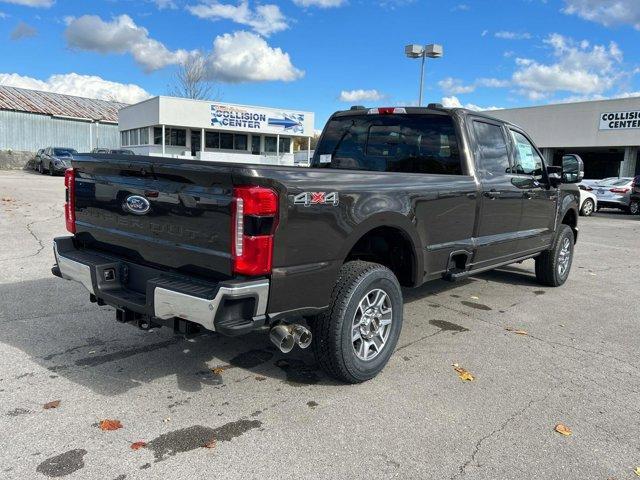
158 211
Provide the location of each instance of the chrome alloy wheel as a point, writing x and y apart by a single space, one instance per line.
564 257
371 324
587 209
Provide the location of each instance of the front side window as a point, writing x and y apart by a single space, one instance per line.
492 146
527 159
393 143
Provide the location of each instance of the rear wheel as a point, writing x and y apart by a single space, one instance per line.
634 206
588 207
553 266
354 339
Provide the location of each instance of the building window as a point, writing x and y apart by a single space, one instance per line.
124 139
175 137
144 136
212 139
134 137
270 144
240 142
285 145
226 141
255 144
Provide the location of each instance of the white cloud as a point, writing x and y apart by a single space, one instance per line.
455 86
454 102
320 3
246 57
165 4
121 35
265 19
606 12
23 30
579 68
31 3
81 85
506 35
350 96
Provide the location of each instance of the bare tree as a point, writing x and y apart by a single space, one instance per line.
191 80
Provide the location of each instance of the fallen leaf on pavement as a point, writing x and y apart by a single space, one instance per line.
50 405
260 378
109 425
138 445
473 297
464 375
167 420
562 429
210 444
220 370
516 331
637 471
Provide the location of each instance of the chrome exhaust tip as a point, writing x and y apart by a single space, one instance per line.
302 336
282 338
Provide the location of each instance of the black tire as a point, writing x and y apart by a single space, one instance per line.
588 207
40 168
548 263
634 206
51 171
333 345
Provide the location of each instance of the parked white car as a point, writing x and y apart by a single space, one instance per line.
588 201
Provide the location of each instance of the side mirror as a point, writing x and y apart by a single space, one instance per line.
572 169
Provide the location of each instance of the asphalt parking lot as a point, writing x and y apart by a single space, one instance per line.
277 416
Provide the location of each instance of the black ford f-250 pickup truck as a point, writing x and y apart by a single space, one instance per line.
394 196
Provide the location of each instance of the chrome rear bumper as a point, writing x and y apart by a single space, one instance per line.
197 302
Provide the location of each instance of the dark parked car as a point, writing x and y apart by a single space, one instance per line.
634 206
55 160
394 196
113 151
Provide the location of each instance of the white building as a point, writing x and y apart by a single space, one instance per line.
605 133
205 130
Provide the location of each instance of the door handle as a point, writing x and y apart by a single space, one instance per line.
492 194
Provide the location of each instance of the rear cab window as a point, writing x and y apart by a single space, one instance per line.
415 143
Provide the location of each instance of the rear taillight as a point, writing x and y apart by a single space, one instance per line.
70 199
619 190
254 219
387 111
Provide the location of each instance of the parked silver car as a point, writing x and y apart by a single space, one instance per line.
614 193
55 160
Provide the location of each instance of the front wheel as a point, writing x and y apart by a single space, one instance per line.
588 208
553 266
634 206
354 339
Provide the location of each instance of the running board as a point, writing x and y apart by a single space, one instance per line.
456 274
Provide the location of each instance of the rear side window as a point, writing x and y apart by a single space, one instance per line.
391 143
492 146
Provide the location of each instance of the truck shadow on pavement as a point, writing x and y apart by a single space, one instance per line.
55 325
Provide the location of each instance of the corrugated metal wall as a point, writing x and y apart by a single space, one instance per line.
31 132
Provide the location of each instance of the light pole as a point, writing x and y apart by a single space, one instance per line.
433 50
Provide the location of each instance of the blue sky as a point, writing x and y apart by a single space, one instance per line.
324 55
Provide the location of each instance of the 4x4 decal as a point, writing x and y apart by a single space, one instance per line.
316 198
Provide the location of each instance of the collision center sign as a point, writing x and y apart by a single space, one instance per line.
620 120
260 120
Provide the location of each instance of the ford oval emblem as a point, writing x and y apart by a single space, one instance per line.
137 205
